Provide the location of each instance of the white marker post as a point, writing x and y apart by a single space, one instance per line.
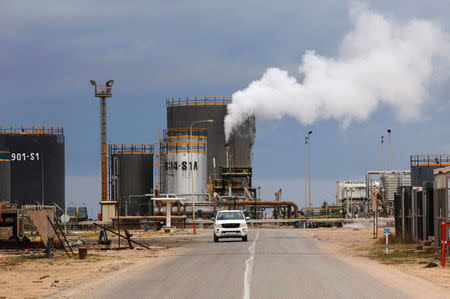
387 232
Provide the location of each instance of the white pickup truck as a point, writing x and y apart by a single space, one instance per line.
230 224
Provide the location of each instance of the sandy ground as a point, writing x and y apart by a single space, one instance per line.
23 275
356 246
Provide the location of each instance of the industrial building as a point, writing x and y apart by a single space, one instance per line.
191 161
354 195
421 207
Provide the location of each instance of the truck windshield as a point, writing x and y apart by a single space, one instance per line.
230 216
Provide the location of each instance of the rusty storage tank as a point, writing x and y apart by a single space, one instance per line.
422 167
131 177
182 155
5 175
182 112
37 163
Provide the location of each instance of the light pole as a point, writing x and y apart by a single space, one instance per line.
382 152
309 170
389 147
306 173
103 92
191 165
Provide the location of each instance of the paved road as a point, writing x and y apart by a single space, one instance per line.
284 264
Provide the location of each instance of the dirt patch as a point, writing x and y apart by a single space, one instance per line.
356 245
25 275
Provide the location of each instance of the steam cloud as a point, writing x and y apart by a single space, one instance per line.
380 61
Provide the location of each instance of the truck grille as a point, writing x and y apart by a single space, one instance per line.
231 225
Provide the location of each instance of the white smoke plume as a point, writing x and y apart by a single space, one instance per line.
380 61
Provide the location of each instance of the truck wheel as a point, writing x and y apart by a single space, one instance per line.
244 239
216 239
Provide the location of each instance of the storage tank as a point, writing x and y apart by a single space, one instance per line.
37 160
5 175
131 177
182 112
184 156
422 167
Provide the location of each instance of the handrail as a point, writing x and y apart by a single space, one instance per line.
31 129
198 100
130 148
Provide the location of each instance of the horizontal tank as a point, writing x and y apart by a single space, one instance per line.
131 177
183 112
5 175
37 164
184 158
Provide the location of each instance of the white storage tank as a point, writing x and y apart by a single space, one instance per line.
184 157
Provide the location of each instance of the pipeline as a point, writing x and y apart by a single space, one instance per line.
264 203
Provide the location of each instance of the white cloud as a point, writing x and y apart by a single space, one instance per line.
380 62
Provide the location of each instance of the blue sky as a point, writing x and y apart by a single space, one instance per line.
158 49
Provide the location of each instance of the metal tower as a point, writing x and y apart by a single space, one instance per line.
103 92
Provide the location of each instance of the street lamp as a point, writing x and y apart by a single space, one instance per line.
306 173
308 169
389 147
382 152
192 168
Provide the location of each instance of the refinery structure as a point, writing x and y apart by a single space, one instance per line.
190 162
189 172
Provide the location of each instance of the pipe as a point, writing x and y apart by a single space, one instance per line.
250 196
195 194
264 203
216 198
232 197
